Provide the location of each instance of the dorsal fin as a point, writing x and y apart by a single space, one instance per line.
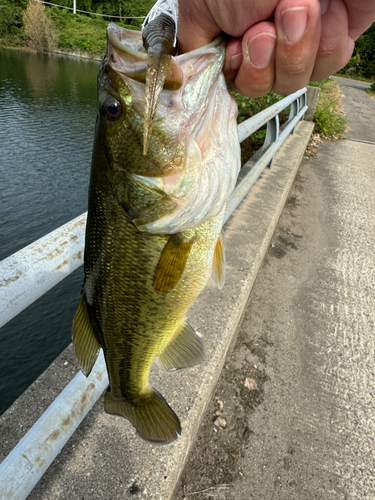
85 344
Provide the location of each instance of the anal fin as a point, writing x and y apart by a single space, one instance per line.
172 263
218 263
185 350
85 344
150 414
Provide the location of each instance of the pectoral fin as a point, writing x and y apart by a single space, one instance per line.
85 344
184 351
218 263
172 263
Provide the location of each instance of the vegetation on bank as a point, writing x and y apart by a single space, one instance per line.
23 23
330 119
39 28
362 62
79 33
11 23
250 106
371 91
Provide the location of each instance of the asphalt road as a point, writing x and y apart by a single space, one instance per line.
293 414
360 109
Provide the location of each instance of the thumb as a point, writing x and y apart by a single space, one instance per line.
196 26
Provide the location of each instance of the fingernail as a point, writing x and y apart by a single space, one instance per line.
236 61
260 49
324 4
294 22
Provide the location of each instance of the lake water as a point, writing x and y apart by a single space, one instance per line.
47 118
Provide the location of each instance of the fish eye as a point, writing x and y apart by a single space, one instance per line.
111 108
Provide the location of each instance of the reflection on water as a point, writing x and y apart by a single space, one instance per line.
47 109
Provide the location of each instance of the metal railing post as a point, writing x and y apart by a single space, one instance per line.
272 134
303 102
294 108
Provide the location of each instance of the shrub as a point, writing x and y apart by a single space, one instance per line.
39 29
328 118
362 62
11 24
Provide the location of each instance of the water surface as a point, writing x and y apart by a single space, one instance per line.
47 117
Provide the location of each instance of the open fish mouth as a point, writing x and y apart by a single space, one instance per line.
150 60
125 52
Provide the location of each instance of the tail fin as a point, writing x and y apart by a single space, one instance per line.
151 415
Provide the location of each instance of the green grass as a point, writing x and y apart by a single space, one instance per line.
371 91
75 32
11 24
249 106
329 118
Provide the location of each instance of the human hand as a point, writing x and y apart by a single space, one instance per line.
276 45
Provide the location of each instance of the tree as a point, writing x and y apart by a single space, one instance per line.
11 24
362 61
39 29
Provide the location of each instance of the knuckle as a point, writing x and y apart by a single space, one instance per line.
252 88
294 66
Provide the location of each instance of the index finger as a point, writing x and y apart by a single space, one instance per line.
200 21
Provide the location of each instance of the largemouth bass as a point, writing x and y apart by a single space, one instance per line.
153 234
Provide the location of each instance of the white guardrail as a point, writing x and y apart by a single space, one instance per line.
31 272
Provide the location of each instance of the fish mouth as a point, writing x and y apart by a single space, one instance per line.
127 55
126 41
125 52
153 64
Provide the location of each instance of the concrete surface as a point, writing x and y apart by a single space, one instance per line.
359 108
296 396
312 101
104 459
